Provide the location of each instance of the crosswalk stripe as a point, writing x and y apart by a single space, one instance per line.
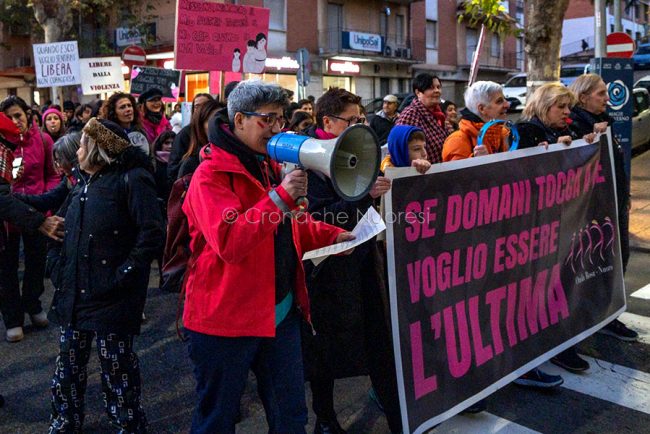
638 323
482 423
614 383
643 293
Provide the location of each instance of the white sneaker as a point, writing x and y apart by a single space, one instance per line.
40 319
15 334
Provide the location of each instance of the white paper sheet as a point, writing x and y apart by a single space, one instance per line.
370 225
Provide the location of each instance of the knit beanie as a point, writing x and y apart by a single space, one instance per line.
55 111
107 135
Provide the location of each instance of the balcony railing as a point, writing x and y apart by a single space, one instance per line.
510 60
393 46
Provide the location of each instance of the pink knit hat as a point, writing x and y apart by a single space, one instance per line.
56 112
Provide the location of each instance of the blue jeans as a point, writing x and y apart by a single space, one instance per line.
221 366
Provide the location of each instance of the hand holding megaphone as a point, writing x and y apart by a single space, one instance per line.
295 183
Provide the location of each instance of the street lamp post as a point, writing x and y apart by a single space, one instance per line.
600 28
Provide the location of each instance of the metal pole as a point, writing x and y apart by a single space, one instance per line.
600 29
618 23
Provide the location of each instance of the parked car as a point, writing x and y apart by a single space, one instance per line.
515 89
569 73
641 117
642 56
643 82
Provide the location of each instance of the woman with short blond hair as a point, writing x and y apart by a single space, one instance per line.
548 109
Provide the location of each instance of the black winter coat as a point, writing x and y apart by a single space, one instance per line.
113 230
344 291
583 123
382 126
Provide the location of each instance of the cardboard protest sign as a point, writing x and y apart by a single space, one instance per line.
220 37
101 74
56 64
496 264
167 80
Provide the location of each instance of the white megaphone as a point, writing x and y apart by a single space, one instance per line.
351 160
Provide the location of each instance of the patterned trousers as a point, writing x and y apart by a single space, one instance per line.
120 373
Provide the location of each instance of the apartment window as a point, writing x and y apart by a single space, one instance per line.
399 28
471 41
495 46
383 23
432 34
277 19
637 11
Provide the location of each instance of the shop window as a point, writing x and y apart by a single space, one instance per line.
432 34
277 19
341 82
196 83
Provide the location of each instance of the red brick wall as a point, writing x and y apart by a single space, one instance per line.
447 37
418 31
579 9
302 25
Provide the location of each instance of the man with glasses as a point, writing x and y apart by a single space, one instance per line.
245 287
351 334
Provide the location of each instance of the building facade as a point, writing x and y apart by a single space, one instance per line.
578 28
369 47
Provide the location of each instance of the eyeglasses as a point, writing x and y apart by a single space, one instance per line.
352 120
268 118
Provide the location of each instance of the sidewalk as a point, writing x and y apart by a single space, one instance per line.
640 212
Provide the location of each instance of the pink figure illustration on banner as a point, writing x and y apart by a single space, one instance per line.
260 53
175 90
134 72
249 57
236 61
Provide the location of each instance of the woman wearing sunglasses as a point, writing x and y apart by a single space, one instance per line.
245 287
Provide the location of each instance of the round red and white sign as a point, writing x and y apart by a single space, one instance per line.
134 56
620 44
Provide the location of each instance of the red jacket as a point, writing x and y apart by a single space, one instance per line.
39 175
230 288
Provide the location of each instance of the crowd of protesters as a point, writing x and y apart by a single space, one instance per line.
96 179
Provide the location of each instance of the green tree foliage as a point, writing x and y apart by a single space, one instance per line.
84 20
489 13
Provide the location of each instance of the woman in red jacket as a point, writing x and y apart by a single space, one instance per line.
38 177
246 283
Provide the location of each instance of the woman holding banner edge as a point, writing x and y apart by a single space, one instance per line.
589 115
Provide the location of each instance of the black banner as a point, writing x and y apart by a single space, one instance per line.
167 80
496 264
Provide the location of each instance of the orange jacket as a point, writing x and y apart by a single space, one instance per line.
460 144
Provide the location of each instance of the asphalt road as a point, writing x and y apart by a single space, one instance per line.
606 399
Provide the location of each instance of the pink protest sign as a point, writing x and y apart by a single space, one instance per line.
220 37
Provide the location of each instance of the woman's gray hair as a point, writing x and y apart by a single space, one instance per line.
584 85
96 155
480 92
66 148
250 95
